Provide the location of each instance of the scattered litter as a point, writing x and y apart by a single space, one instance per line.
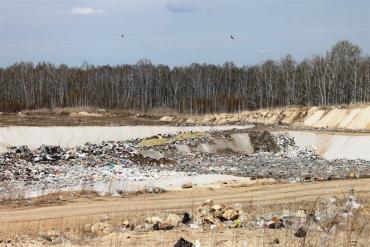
186 218
351 203
183 243
220 216
194 226
162 226
300 233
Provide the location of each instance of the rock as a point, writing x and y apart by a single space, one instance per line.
146 226
120 192
154 190
173 219
52 236
105 217
300 233
197 243
73 236
153 220
276 241
183 243
166 119
186 218
101 229
220 215
276 225
125 223
187 185
217 207
217 213
230 214
194 226
213 227
208 202
162 226
87 228
209 220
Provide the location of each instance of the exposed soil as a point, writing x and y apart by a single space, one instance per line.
74 214
183 199
50 119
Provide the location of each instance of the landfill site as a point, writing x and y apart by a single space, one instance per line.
248 179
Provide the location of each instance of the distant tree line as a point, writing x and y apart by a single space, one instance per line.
341 76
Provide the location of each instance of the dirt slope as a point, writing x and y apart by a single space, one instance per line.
346 118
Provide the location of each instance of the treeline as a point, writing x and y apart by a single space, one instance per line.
341 76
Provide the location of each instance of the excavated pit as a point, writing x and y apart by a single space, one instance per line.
164 160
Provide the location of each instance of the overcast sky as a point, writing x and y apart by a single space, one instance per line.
177 32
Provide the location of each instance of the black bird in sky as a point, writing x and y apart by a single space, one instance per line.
122 36
232 37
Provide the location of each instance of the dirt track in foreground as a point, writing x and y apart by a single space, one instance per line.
262 194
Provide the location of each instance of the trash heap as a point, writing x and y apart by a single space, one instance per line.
54 167
276 157
158 158
328 216
212 215
289 149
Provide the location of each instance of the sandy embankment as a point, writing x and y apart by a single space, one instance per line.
356 118
334 146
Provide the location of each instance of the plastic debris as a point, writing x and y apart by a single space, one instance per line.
300 233
183 243
55 168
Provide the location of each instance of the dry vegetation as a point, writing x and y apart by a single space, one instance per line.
329 221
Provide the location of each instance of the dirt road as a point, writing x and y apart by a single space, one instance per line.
262 194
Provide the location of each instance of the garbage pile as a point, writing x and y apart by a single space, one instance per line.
214 215
281 159
328 215
264 141
54 167
159 158
289 149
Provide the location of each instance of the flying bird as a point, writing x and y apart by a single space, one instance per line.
122 36
232 37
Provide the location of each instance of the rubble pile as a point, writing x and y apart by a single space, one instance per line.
214 215
263 141
158 158
325 219
329 215
289 149
277 157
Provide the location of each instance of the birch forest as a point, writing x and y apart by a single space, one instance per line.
341 76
